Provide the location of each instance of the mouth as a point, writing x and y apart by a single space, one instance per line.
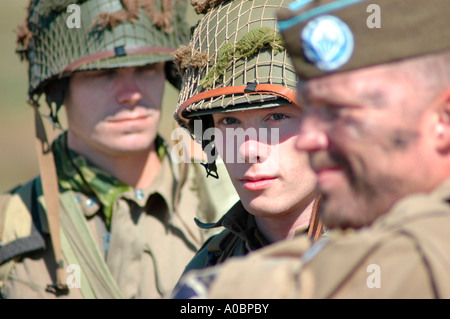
255 183
329 177
127 118
330 169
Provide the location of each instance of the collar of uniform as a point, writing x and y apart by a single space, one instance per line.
443 191
417 206
90 205
241 223
77 174
96 189
236 210
163 185
235 221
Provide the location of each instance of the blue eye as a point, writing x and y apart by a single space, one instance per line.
229 121
278 116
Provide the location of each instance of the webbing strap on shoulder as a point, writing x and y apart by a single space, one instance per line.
24 243
80 248
19 246
50 190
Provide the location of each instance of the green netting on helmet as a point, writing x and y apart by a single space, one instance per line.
234 44
110 34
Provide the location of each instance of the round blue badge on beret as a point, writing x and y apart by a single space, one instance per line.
328 42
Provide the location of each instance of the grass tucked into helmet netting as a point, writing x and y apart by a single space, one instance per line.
256 40
203 6
185 57
46 8
130 13
55 6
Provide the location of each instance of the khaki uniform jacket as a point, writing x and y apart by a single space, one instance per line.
404 254
142 256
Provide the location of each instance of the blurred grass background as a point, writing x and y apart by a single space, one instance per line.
18 159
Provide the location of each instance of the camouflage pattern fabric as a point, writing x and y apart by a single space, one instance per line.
78 174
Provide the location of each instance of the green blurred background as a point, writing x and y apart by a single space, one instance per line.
18 159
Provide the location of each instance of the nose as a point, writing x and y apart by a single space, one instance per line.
127 88
253 151
312 135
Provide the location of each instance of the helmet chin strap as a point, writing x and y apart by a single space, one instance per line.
211 169
210 166
55 100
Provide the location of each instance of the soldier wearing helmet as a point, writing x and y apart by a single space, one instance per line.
239 85
109 216
377 131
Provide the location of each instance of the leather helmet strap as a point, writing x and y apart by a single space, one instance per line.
251 88
315 224
49 181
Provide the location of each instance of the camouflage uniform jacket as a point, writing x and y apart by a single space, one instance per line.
137 246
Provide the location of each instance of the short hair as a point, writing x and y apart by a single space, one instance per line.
433 71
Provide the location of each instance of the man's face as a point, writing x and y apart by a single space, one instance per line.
114 112
270 175
367 141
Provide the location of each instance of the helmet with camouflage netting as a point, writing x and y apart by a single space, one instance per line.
59 37
235 61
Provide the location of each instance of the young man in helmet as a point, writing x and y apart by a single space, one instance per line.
377 130
239 85
111 215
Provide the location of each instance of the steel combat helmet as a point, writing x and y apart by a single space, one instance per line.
60 37
235 60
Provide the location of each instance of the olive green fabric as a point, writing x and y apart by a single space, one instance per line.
326 36
235 43
51 39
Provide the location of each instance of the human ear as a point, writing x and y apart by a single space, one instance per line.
442 123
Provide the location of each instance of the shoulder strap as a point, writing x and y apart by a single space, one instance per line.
18 230
80 248
50 188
